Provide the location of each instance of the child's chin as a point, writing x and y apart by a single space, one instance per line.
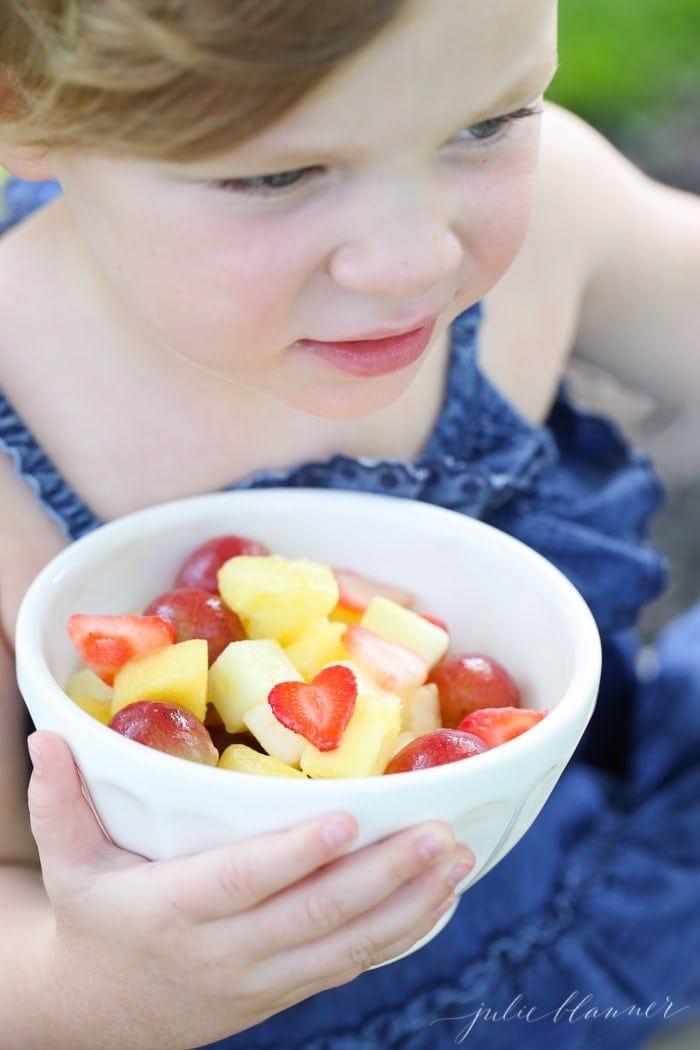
352 399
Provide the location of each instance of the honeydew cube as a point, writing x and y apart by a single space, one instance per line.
243 675
175 674
398 624
421 710
319 644
278 740
403 739
277 597
243 759
367 745
85 682
91 694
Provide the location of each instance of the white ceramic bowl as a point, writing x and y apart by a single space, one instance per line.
497 595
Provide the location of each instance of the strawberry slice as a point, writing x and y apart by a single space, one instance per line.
496 725
357 591
392 666
319 710
106 642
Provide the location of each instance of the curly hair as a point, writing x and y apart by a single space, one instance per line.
172 79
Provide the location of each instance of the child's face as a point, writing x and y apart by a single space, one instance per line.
412 201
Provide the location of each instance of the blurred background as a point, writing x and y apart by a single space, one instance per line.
632 69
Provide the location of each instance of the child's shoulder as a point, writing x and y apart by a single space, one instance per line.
29 285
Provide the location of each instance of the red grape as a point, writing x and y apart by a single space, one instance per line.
470 681
203 564
195 613
435 749
166 727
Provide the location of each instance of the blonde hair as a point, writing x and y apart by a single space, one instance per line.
173 79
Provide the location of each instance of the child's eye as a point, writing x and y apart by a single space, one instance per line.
268 185
487 130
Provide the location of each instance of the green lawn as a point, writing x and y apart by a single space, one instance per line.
625 60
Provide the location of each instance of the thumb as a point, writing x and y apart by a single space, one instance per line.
67 832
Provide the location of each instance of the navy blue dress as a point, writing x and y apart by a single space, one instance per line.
588 932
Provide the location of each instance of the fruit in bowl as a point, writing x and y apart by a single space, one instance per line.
267 649
498 597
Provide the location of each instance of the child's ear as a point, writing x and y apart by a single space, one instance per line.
26 162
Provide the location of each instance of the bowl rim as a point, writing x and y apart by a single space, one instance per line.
577 701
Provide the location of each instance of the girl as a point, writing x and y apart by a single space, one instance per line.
282 231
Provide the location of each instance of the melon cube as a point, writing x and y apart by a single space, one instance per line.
243 759
243 675
85 682
278 740
397 624
401 741
421 710
367 745
277 597
175 674
317 646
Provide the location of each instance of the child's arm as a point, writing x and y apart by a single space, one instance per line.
637 244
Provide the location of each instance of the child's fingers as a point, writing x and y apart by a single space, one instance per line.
223 882
66 830
377 936
356 884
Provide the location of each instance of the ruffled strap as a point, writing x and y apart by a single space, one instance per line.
18 199
32 465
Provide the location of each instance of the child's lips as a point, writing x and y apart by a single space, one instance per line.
368 358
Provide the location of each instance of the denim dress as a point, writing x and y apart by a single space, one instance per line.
588 932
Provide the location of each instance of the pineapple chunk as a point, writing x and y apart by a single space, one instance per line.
277 597
421 710
398 624
368 742
99 709
365 682
243 759
320 644
91 694
243 675
277 740
175 674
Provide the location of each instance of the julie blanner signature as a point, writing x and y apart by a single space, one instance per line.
575 1008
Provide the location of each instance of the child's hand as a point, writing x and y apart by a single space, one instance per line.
182 952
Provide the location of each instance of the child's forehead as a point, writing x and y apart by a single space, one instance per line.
440 62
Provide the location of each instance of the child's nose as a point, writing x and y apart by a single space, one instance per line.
403 255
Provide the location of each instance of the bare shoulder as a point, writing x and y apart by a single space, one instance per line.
532 314
609 269
28 540
30 273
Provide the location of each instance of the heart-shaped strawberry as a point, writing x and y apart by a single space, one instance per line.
319 710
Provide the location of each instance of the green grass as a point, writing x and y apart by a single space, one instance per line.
627 60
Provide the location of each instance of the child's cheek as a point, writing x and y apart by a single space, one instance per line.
497 216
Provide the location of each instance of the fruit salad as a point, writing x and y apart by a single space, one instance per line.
266 664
